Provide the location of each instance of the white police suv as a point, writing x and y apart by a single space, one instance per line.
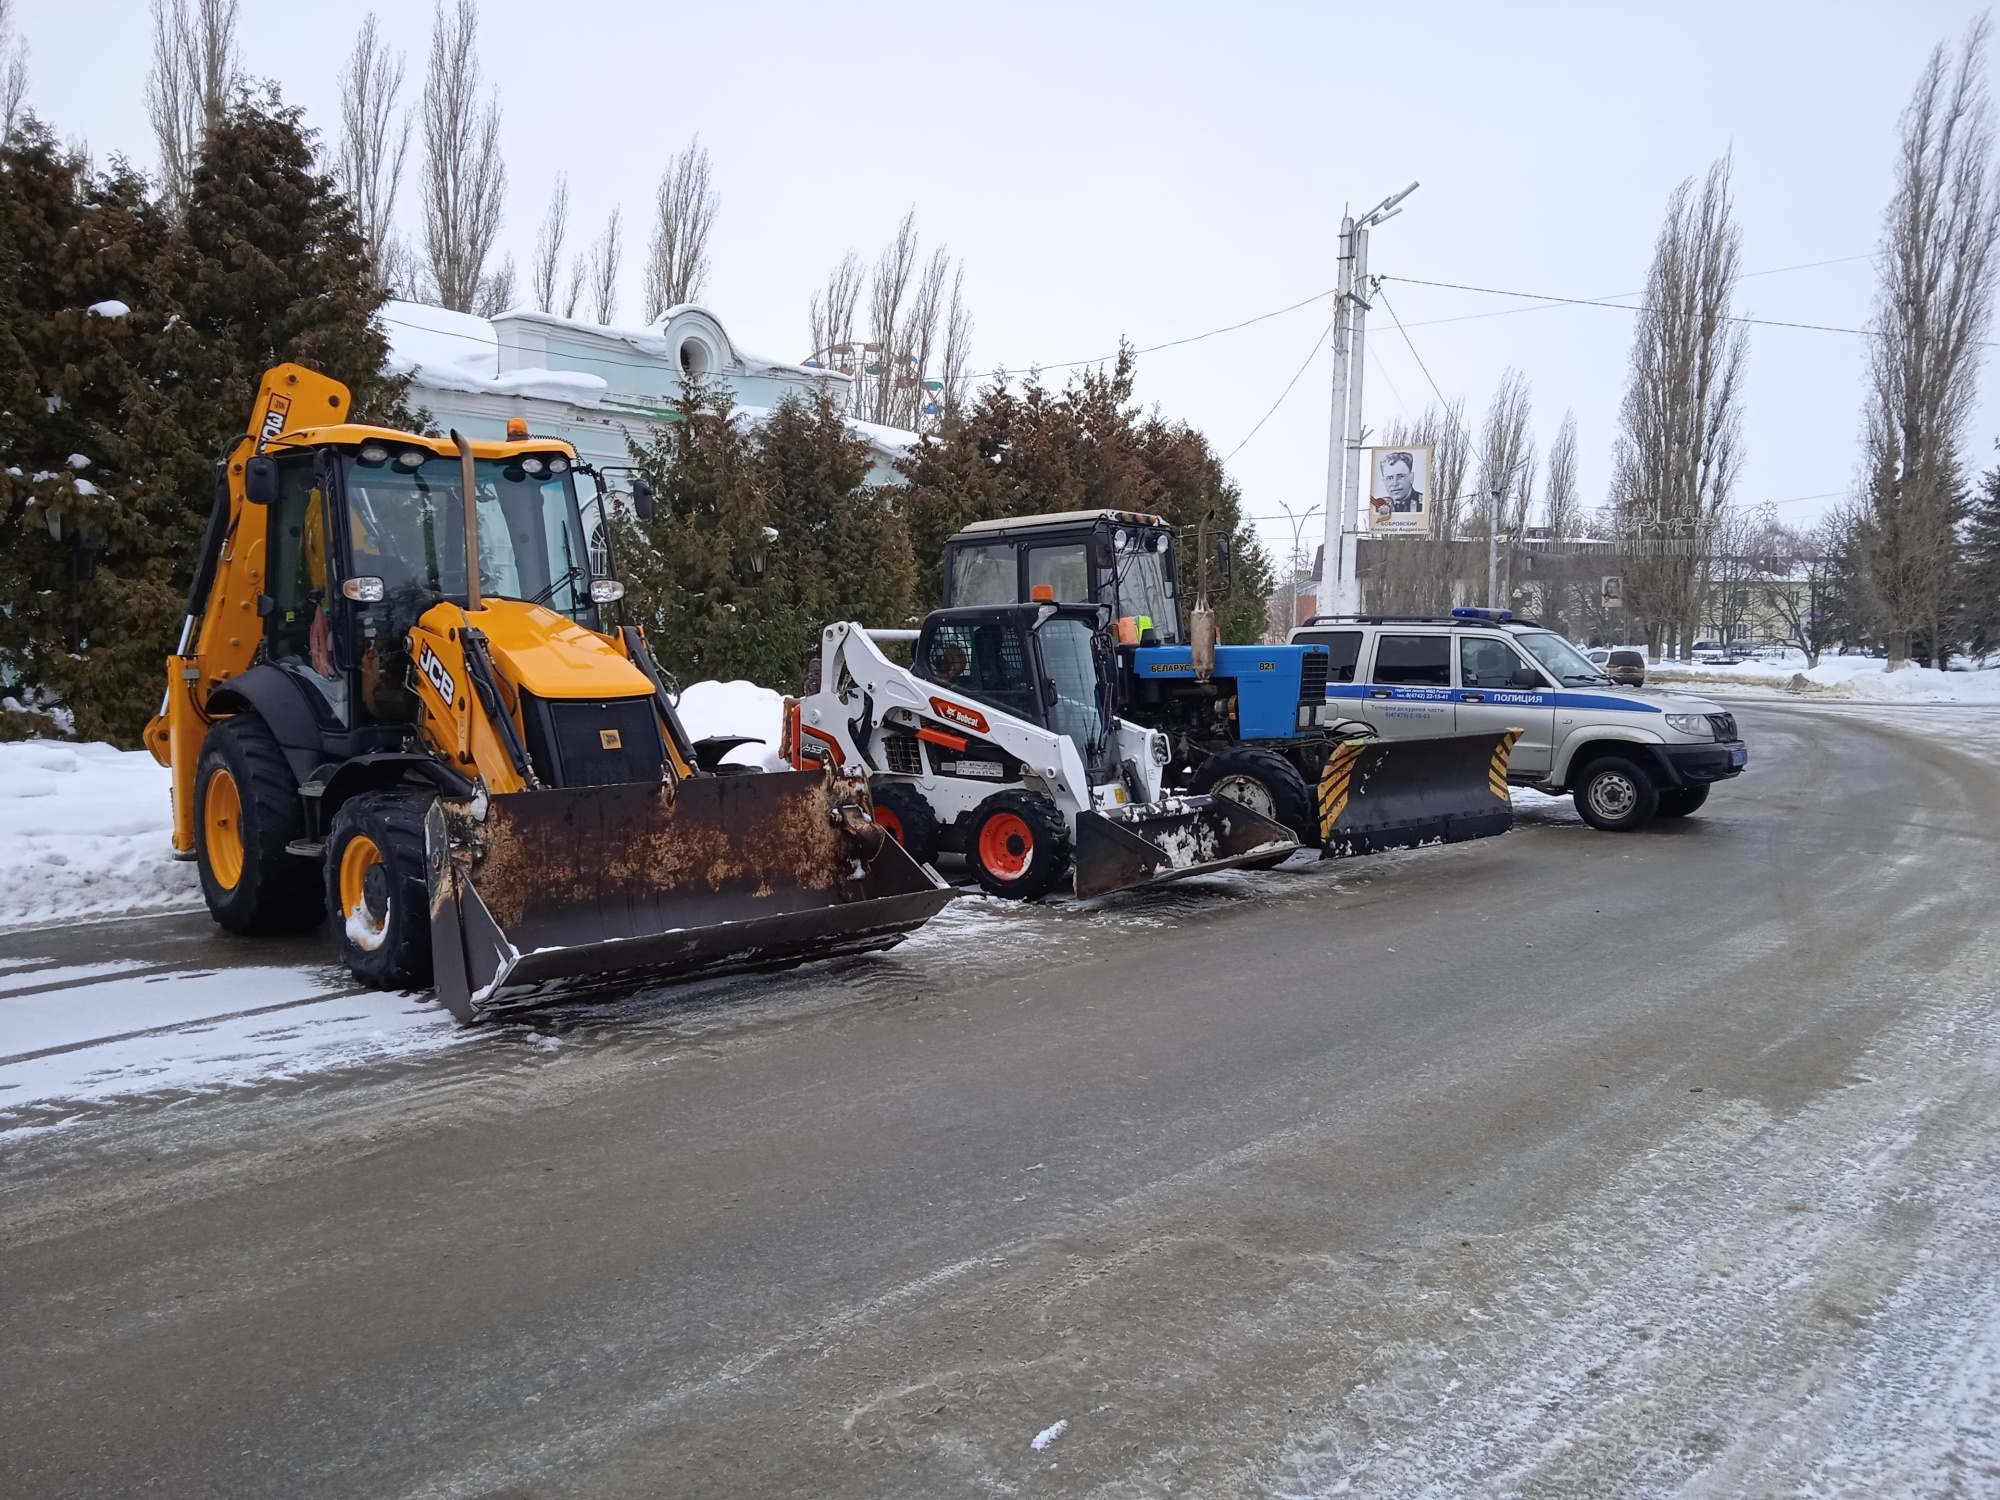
1628 755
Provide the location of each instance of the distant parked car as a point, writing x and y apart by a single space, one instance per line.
1626 668
1741 648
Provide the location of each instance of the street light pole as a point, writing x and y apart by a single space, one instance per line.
1339 582
1297 556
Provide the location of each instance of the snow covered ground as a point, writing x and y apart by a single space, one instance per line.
1845 678
85 830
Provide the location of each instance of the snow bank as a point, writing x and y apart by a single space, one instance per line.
1857 678
718 708
84 830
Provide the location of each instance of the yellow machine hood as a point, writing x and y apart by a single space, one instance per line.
549 654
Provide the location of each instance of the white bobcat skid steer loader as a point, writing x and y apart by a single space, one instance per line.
1000 744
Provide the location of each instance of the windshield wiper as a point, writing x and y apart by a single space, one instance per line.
575 572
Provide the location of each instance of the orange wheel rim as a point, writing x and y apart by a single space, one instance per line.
357 860
890 823
222 828
1006 845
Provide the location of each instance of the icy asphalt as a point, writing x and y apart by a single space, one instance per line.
1554 1165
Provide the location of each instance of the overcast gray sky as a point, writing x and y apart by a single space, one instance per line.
1157 171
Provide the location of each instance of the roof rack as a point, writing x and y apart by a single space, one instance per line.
1412 620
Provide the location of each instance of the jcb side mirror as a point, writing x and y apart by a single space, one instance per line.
642 500
260 480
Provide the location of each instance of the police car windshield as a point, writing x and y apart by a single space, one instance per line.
1564 662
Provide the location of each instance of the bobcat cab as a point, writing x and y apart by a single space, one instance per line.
412 716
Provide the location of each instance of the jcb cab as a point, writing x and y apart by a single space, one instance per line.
468 768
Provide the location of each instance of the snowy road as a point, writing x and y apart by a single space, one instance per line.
1557 1165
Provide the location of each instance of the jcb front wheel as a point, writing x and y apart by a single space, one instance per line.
376 891
246 810
1019 846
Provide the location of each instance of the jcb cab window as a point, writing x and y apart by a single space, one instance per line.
1413 660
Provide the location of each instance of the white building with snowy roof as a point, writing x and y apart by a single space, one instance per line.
597 388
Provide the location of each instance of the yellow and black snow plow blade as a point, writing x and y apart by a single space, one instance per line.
1171 839
1399 794
540 890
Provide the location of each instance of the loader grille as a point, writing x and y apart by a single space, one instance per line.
593 741
900 753
1312 678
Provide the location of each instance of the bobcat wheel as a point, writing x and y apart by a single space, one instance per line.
376 891
246 810
1019 846
906 816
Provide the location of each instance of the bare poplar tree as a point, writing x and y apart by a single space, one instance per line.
496 291
579 272
1674 464
374 141
548 246
194 69
831 316
1560 503
685 207
1935 300
13 70
915 362
464 180
602 278
1506 480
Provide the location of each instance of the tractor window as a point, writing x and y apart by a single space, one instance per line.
983 659
983 575
1146 588
1343 647
1064 571
406 527
1069 656
1413 660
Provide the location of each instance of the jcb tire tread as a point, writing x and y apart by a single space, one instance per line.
277 891
394 820
1049 860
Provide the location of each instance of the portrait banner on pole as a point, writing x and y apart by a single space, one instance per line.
1399 491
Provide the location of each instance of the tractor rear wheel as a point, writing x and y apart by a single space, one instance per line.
1263 781
246 810
1018 845
376 890
906 816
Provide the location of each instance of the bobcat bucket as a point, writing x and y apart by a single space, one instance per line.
1399 794
535 895
1173 838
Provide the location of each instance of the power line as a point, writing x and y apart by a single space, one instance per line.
1494 291
1311 355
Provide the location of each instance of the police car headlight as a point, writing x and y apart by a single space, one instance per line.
1696 725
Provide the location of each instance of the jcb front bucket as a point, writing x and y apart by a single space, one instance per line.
1398 794
1171 839
649 881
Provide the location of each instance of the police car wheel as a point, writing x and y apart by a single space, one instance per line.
1263 781
1616 795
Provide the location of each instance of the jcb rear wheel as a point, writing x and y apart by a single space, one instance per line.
1019 846
376 891
906 816
246 810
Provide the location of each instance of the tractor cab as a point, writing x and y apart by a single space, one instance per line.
1048 664
1120 560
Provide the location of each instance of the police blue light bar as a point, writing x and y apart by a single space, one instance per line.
1468 612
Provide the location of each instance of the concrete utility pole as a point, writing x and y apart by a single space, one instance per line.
1340 589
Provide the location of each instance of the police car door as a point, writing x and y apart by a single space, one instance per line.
1409 694
1499 688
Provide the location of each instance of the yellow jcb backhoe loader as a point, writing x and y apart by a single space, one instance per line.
480 781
